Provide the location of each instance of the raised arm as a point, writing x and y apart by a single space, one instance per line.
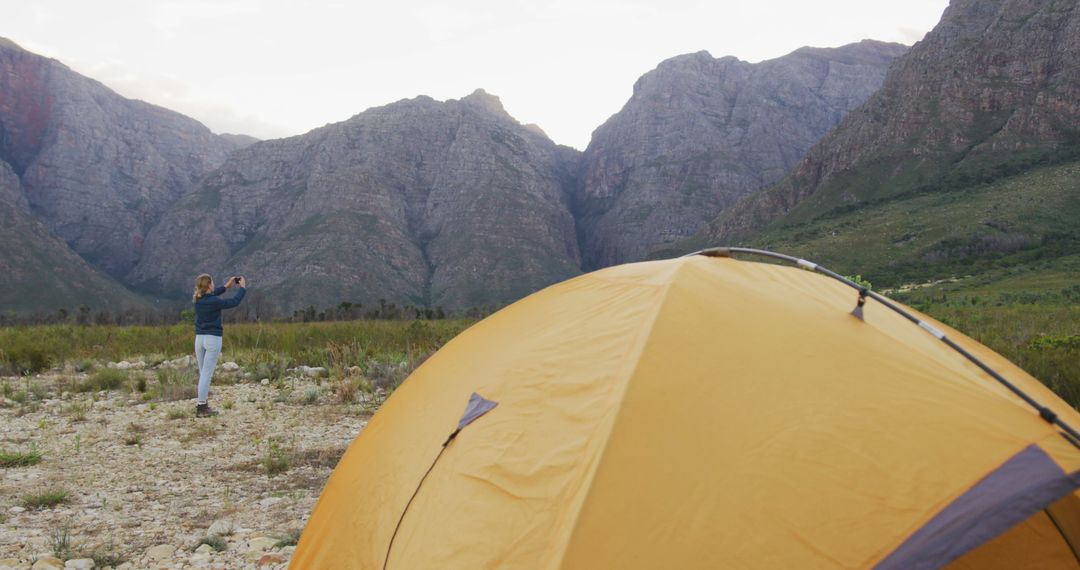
218 291
234 300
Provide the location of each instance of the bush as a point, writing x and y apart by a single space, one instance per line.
60 542
107 558
214 541
38 391
346 391
27 358
386 373
77 411
288 539
104 379
174 384
46 499
341 356
272 367
311 396
1050 342
276 460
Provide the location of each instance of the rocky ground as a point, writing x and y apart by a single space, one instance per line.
148 485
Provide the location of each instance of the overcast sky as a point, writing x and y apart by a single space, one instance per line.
273 68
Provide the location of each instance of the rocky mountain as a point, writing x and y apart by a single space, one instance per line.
96 168
422 202
38 271
699 133
457 204
992 91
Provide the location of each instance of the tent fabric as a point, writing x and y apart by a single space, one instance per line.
1034 544
697 413
1065 516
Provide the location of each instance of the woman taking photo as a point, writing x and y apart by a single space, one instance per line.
208 329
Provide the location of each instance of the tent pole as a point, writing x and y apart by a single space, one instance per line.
1071 434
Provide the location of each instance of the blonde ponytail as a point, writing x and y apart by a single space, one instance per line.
202 286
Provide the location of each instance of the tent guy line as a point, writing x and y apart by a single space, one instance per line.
476 407
1070 434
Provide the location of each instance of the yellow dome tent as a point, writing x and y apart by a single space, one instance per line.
707 412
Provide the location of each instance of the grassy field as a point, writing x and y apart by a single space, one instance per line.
1039 332
262 348
1000 230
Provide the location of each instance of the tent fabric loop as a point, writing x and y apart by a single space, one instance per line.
858 310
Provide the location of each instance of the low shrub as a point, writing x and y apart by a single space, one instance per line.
106 557
46 499
311 396
290 538
60 542
19 458
175 384
276 460
104 379
76 412
214 541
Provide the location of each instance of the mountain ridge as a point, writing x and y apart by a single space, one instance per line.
403 194
991 83
456 203
699 133
97 169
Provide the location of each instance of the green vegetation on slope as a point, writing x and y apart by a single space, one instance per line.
38 272
894 174
996 231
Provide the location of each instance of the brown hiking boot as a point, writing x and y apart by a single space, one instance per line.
204 411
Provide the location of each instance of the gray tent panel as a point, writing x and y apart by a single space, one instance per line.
477 407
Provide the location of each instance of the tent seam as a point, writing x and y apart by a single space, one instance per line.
640 341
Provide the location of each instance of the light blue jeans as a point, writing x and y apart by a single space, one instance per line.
207 351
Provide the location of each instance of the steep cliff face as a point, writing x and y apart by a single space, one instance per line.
699 133
97 169
38 271
423 202
992 89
